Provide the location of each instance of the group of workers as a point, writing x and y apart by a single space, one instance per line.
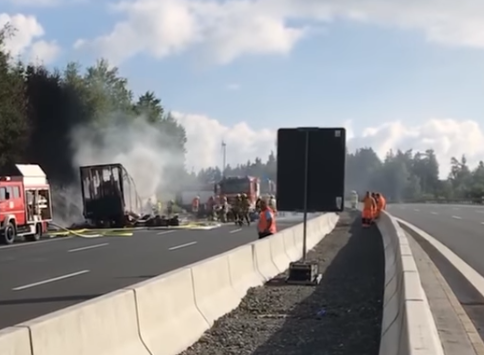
239 211
373 204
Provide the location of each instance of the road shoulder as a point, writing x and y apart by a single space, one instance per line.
457 332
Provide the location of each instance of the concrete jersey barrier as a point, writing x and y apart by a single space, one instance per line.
166 314
408 327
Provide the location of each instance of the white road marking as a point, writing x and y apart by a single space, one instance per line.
166 232
26 244
456 217
88 247
435 213
416 210
465 269
50 280
182 246
235 230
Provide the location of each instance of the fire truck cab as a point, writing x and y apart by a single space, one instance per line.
25 204
233 185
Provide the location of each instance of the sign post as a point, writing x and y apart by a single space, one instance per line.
310 178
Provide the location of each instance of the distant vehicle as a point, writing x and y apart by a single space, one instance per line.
25 204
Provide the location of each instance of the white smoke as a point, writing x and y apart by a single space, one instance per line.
138 146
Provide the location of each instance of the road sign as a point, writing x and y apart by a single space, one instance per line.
311 160
310 178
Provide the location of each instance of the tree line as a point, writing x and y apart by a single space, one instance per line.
40 108
400 176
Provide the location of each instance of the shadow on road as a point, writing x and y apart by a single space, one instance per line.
343 315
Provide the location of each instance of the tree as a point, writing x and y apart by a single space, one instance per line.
14 130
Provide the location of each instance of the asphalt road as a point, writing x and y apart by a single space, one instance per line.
39 278
459 227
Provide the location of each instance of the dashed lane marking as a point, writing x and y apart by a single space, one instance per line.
182 246
50 280
88 247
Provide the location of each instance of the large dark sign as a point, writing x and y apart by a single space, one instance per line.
311 169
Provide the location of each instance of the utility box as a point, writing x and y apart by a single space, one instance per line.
318 154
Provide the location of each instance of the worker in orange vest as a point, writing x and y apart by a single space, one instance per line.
381 204
369 210
195 205
267 221
377 210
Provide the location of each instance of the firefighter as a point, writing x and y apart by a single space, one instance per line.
258 204
369 207
245 207
196 205
211 208
224 209
267 221
236 209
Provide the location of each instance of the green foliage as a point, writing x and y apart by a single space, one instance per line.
40 108
401 176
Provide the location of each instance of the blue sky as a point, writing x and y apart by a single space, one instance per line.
358 73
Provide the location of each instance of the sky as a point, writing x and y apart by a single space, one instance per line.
396 74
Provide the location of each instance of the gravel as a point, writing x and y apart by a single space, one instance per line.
340 316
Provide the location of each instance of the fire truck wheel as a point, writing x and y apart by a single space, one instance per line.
9 234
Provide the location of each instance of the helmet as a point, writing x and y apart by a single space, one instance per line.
244 195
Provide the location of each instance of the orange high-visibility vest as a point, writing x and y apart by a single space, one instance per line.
263 222
369 203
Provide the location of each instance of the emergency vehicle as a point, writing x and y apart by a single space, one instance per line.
233 185
25 204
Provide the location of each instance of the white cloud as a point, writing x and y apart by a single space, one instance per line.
448 137
25 39
228 29
44 51
205 135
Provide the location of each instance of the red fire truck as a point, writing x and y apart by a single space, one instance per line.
233 185
25 204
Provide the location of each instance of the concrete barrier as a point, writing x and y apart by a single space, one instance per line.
15 341
214 292
408 327
243 271
105 325
169 319
278 251
263 260
164 315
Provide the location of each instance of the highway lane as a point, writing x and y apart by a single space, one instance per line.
459 227
39 278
